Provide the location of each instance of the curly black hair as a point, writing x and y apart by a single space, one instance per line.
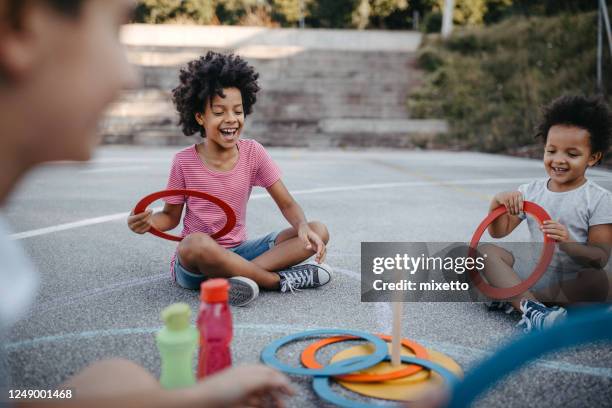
207 76
588 113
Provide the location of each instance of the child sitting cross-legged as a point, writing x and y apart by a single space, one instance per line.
576 131
215 94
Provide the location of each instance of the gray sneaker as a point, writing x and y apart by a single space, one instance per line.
304 276
242 291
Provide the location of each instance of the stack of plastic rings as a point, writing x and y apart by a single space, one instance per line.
342 370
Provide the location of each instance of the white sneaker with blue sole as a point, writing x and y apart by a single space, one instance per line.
536 316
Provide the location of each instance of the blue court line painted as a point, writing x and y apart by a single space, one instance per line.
94 334
452 350
85 335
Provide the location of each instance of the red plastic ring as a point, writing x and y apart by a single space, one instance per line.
547 253
229 213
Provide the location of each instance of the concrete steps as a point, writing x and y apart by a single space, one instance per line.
328 92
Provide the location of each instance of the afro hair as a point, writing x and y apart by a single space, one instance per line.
206 77
588 113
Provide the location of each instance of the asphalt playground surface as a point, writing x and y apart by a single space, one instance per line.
102 286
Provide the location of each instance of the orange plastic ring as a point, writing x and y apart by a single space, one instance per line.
309 360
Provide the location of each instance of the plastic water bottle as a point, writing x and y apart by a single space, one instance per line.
177 342
215 325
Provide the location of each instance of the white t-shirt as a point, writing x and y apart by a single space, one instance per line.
577 209
18 285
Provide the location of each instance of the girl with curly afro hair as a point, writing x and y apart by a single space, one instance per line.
576 131
215 94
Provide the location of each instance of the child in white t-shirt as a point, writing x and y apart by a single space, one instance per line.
576 131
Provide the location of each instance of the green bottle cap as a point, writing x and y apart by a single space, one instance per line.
176 316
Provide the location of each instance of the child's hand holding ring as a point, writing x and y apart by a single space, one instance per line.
140 223
512 200
555 230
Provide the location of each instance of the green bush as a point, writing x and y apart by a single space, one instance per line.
331 13
317 13
381 14
489 83
200 11
168 11
156 11
432 23
287 12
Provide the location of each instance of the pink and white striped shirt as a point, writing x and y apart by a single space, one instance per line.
255 167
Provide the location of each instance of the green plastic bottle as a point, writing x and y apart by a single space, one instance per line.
177 342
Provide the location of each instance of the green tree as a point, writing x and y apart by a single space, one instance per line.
332 13
157 11
472 12
489 82
383 8
373 12
236 12
200 11
287 12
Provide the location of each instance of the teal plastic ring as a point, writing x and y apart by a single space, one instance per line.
268 355
586 326
323 388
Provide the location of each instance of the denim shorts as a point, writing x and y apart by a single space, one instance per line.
249 250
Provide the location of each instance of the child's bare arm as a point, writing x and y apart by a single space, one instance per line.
505 224
286 204
595 253
163 220
294 214
255 385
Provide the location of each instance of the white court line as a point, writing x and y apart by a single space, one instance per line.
457 351
255 328
412 184
71 225
383 309
67 226
114 169
132 160
341 254
94 334
61 163
56 304
265 329
123 215
600 173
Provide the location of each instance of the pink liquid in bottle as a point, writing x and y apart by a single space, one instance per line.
215 326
